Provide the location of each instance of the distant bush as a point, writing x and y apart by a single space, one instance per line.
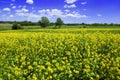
84 26
16 26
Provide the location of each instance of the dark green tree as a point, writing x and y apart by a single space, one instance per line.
59 22
16 26
44 22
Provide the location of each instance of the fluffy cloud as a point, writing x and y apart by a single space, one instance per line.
50 13
59 13
13 7
11 16
70 6
23 10
67 10
75 14
6 9
55 12
70 1
43 11
29 1
83 3
29 15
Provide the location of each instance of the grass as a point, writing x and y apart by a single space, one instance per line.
65 29
5 26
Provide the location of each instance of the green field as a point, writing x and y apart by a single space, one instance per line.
69 53
67 30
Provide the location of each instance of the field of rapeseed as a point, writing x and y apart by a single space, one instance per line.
59 56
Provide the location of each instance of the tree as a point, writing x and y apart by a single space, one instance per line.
59 22
16 26
82 23
44 22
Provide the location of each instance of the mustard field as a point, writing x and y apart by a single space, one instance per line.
59 55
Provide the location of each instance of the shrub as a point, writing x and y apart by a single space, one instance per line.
16 26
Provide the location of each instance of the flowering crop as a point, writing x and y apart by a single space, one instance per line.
59 56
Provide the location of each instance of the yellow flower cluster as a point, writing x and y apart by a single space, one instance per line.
59 56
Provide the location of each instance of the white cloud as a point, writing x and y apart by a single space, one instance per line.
75 15
99 15
59 13
70 1
67 10
83 3
29 1
55 12
11 16
30 15
50 13
6 9
70 6
13 7
43 11
23 10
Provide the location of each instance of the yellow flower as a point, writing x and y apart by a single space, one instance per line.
87 70
34 77
34 63
91 78
30 67
97 76
57 64
54 75
77 72
49 70
87 66
48 63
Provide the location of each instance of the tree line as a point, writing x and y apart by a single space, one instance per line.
44 22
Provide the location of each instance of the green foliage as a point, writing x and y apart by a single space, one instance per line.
16 26
59 22
44 22
25 23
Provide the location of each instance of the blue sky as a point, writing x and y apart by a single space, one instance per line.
71 11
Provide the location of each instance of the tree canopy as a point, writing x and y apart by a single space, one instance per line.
59 22
44 22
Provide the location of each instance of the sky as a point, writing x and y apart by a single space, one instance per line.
70 11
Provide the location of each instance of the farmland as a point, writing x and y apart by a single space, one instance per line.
55 54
